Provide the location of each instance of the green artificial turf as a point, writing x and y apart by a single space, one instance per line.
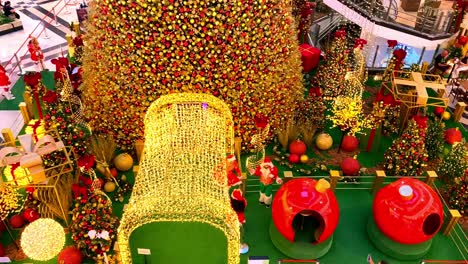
179 243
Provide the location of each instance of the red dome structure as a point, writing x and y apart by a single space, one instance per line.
408 211
305 198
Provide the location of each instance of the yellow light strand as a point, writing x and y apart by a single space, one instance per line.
187 137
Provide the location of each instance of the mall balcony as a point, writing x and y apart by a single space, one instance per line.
421 27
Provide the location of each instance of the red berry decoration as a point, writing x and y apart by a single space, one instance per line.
30 215
453 135
350 167
17 221
70 255
350 143
438 111
297 147
294 158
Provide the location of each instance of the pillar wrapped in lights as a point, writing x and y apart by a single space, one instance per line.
187 137
43 239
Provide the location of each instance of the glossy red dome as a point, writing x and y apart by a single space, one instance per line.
307 197
408 211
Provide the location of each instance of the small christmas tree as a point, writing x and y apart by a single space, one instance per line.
456 194
455 163
93 227
435 139
407 156
330 77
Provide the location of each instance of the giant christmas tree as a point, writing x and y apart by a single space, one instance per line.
244 52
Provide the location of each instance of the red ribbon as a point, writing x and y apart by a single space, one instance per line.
12 171
35 126
371 140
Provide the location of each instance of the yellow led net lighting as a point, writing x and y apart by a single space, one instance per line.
187 137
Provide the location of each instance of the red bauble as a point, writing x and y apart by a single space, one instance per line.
305 195
70 255
114 172
293 158
350 143
452 135
438 111
17 221
30 215
350 167
408 211
297 147
2 251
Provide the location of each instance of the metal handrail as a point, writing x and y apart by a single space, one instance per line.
425 24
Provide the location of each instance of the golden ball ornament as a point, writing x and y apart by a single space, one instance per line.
304 158
109 187
324 141
123 162
446 116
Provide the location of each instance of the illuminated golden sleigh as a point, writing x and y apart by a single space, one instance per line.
187 137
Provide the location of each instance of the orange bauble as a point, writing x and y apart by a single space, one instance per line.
324 141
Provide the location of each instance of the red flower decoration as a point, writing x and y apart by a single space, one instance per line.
50 97
78 41
32 78
399 54
359 43
392 43
340 33
86 161
261 121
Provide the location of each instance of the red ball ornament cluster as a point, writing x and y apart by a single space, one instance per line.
408 211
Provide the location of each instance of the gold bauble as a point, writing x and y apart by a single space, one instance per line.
109 187
446 116
123 162
324 141
304 158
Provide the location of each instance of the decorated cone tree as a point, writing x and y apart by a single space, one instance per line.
435 139
455 163
330 77
245 53
63 109
407 156
457 195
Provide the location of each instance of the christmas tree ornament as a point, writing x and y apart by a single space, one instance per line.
70 255
446 116
109 187
324 141
350 167
17 221
30 215
453 135
297 147
293 158
123 162
304 158
349 143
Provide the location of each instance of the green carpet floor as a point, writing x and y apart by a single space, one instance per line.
172 242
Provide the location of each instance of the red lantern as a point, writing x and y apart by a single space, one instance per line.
17 221
350 143
294 158
70 255
305 198
453 135
30 215
408 211
350 167
297 147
